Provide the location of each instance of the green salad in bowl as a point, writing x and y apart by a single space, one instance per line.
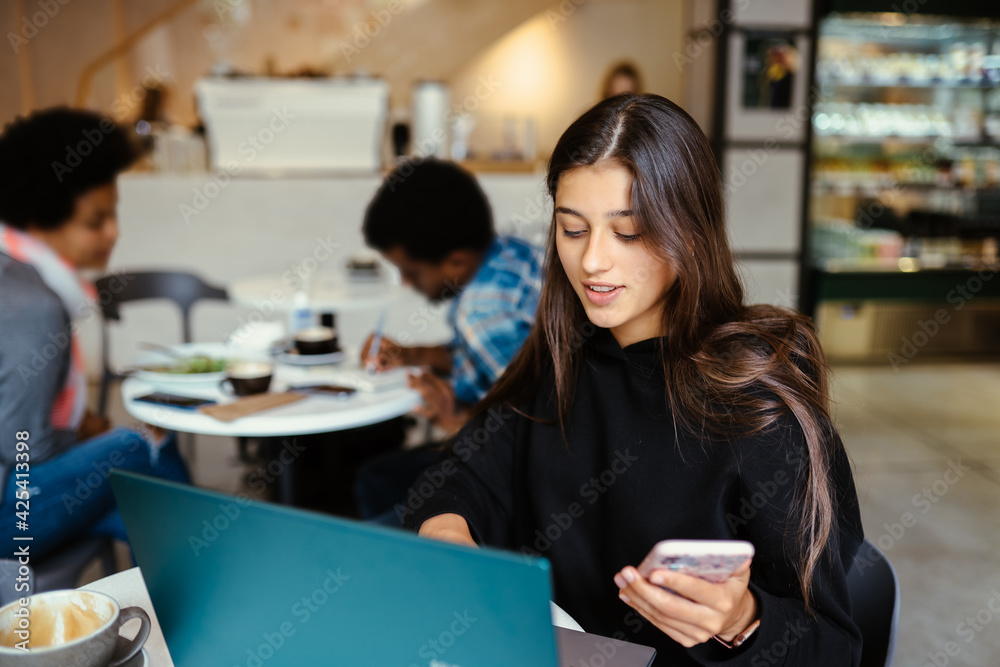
195 364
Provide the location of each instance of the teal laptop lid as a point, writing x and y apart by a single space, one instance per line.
241 583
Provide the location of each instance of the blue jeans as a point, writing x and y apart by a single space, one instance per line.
71 496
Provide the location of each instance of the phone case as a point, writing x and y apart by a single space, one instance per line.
712 560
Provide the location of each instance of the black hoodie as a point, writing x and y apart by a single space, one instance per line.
622 481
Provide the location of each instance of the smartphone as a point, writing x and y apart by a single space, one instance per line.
174 401
340 391
712 560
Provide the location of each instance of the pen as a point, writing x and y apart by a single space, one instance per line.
376 342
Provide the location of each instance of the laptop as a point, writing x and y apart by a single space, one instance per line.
242 583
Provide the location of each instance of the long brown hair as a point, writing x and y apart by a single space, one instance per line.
731 370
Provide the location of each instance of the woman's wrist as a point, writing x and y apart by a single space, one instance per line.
749 612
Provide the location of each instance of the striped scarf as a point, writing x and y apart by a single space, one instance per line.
78 298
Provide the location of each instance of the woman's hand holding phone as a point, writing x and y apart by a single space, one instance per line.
698 611
694 609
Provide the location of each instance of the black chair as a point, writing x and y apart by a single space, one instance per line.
59 570
184 289
874 591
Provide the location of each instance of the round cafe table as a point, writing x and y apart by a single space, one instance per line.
311 415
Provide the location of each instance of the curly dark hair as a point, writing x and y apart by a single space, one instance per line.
51 157
429 208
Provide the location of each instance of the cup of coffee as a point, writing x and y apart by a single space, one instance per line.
244 378
61 628
316 340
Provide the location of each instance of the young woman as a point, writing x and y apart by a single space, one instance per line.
650 403
57 216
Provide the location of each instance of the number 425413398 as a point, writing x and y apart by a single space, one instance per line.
21 473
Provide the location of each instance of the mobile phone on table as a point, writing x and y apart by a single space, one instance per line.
711 560
340 391
174 401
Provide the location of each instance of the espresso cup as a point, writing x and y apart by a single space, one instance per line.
244 378
316 340
59 628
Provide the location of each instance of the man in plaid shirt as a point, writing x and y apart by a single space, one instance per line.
432 220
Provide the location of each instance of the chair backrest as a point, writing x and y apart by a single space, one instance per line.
184 289
9 584
874 591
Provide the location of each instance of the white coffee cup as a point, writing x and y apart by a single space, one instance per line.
59 628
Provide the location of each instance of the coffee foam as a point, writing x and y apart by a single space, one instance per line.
59 620
246 370
315 334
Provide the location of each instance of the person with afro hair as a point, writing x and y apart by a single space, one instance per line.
58 194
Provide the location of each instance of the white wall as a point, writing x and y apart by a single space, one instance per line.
269 226
552 66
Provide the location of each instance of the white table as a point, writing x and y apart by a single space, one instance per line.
129 589
313 414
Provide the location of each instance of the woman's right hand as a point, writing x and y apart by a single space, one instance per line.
448 528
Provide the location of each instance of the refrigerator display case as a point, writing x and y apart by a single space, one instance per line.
904 186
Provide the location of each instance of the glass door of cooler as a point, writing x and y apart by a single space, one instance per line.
903 210
905 157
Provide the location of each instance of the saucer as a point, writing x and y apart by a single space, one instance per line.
284 351
140 659
296 359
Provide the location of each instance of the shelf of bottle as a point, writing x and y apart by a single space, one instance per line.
867 188
906 139
984 83
903 265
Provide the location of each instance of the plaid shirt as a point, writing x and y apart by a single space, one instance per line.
492 316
